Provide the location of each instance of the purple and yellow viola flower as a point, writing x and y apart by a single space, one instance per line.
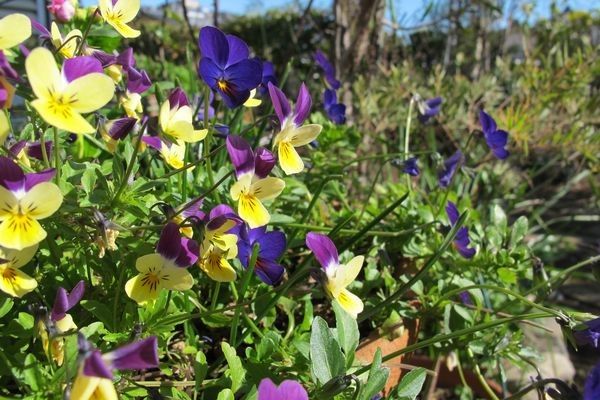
287 390
337 276
114 130
61 97
253 186
14 30
450 166
165 269
428 108
67 46
292 134
94 378
60 321
119 13
176 118
219 244
25 151
25 199
172 153
15 282
271 246
495 138
226 68
461 241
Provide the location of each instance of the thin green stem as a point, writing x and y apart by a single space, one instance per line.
215 296
56 155
481 378
44 152
86 32
203 195
245 281
130 165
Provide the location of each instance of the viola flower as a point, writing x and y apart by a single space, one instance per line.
15 282
94 379
252 100
288 390
271 247
7 90
328 70
118 13
26 198
335 111
165 269
106 234
591 388
63 10
191 211
176 117
172 153
428 108
292 133
219 245
61 322
67 47
61 98
14 29
114 130
225 66
450 167
590 334
461 241
252 186
495 138
268 75
337 276
410 167
24 151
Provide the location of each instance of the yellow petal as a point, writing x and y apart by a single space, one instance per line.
18 258
90 92
127 9
305 134
93 388
164 116
8 203
183 113
267 188
289 159
43 200
150 261
15 282
252 102
176 278
14 29
42 72
224 241
20 231
141 290
251 210
65 117
125 30
350 303
217 267
4 127
65 324
241 186
346 274
174 155
69 45
105 7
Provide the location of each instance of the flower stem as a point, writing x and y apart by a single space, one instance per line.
245 281
56 156
136 150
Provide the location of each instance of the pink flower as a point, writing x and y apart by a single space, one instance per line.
63 10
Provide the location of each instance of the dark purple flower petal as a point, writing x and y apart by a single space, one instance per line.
487 122
461 241
497 141
264 161
105 59
328 70
35 178
244 75
142 354
323 248
94 365
65 301
429 108
77 67
337 113
177 98
240 154
280 103
16 148
11 175
590 335
465 298
120 128
6 69
270 272
169 244
303 105
223 210
329 98
194 210
126 58
450 167
188 254
153 141
268 75
435 102
288 390
42 30
34 150
272 244
238 50
137 81
214 45
410 167
216 222
210 72
233 97
591 389
452 212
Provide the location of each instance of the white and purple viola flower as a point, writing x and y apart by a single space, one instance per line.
428 108
94 379
226 68
461 241
287 390
495 138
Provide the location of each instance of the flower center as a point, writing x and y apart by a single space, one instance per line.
225 86
153 277
9 274
59 104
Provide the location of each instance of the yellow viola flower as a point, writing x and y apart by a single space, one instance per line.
172 153
25 199
132 104
251 193
62 98
93 388
252 100
176 118
67 46
118 15
214 262
14 29
293 134
4 127
165 269
55 348
15 282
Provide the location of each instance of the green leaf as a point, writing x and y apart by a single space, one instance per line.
225 394
378 376
200 369
507 275
327 360
347 331
6 306
236 370
499 217
519 230
31 372
410 386
88 180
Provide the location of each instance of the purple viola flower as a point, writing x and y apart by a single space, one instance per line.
288 390
465 298
119 128
6 70
245 161
137 81
461 241
268 75
428 108
335 111
226 68
64 301
591 389
172 246
590 335
450 167
32 149
410 167
328 70
178 98
495 138
271 247
13 179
